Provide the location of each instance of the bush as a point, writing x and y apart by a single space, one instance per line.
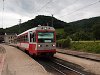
64 43
93 47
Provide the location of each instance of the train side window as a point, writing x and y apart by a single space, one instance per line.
34 37
30 36
22 38
26 38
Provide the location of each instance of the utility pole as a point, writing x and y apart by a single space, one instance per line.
19 24
52 20
2 13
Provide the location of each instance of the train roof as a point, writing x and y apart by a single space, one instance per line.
38 28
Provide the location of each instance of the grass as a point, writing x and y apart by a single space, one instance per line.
61 30
87 41
87 46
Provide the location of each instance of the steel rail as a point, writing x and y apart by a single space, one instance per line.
58 70
68 68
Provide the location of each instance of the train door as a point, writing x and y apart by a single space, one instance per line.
32 37
32 44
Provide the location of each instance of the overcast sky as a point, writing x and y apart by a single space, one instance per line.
65 10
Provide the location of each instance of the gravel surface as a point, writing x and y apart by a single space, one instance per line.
2 50
88 65
19 63
91 56
2 58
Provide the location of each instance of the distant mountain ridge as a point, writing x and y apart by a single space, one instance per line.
38 20
86 22
86 28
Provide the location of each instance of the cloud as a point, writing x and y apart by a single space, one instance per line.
28 9
10 19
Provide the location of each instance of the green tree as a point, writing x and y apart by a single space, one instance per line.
96 31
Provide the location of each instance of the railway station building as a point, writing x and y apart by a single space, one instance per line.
10 38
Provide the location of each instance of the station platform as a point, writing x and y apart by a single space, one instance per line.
2 58
19 63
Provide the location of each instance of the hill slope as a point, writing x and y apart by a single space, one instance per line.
85 29
38 20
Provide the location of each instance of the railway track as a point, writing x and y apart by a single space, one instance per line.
75 72
57 66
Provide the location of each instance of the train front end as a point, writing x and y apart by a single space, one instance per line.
46 41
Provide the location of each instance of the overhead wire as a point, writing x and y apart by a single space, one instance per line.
3 14
81 8
49 3
44 6
70 4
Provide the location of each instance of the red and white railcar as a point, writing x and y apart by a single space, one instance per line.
40 40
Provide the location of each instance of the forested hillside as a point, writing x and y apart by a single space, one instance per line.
38 20
86 29
2 32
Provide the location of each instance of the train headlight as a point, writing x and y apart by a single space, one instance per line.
45 28
39 45
53 45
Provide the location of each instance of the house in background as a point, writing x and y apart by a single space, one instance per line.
10 38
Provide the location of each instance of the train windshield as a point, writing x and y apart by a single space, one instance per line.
44 37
